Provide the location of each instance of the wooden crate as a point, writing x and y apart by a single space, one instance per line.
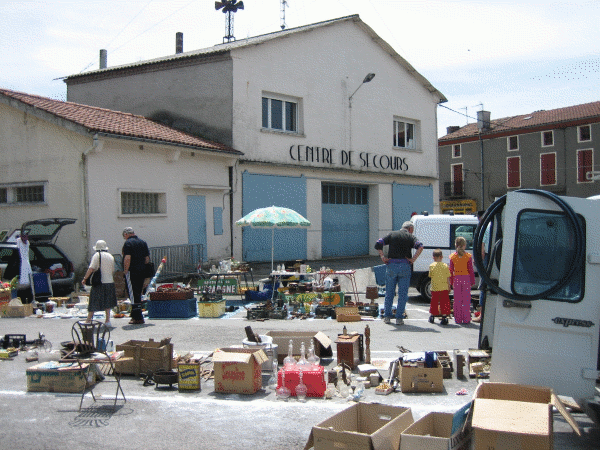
347 314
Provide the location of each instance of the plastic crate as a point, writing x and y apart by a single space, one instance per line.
211 309
172 309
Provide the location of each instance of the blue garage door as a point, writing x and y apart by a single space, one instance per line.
345 220
260 191
407 199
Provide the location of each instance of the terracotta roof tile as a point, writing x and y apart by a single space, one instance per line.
100 120
524 122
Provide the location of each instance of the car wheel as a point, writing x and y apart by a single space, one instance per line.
425 288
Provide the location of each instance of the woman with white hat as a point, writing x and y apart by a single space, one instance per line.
102 296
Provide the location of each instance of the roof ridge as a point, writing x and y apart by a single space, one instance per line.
66 102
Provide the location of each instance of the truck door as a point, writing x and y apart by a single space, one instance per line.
548 340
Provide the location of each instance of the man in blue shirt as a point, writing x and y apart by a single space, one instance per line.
399 267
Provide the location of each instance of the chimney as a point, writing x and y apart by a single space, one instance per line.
178 42
483 120
452 129
103 59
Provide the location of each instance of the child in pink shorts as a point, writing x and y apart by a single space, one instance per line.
463 277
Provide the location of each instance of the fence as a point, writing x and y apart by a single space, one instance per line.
181 259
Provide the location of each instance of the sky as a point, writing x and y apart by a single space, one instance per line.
503 56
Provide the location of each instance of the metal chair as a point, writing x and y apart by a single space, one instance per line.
90 341
41 286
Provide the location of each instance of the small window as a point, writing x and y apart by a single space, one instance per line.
584 133
548 169
585 164
513 172
456 151
404 135
543 254
218 220
547 138
466 231
280 114
19 194
146 203
513 143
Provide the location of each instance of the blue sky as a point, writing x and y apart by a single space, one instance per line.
514 57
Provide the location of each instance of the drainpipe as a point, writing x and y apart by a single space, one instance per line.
231 222
85 207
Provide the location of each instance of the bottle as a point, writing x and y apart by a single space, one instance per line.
301 390
312 358
282 392
273 380
303 363
345 331
289 363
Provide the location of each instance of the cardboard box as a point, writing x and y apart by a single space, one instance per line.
5 295
362 426
11 310
144 356
314 380
53 376
211 309
439 431
282 339
517 417
347 314
238 370
421 379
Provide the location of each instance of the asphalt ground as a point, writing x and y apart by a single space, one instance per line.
159 416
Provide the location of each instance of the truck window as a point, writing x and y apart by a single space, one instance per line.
466 231
543 252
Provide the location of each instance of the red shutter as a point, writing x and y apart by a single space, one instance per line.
513 169
548 169
457 179
584 165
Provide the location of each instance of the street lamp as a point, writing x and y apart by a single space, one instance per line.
368 78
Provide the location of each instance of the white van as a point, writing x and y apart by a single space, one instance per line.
439 231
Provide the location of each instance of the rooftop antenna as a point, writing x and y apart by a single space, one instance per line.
466 108
284 4
229 7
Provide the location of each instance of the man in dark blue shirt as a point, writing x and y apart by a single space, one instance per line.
135 257
400 245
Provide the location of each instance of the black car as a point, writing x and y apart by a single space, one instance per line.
44 256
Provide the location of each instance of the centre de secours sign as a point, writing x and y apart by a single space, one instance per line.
347 158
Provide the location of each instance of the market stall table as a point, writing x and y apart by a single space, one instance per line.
349 274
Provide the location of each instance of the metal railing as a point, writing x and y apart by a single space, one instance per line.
454 189
181 259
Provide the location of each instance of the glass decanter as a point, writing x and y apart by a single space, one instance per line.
289 363
282 392
273 380
312 359
303 363
301 389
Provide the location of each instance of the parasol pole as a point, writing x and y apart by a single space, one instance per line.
272 246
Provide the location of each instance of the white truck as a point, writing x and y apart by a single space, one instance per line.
438 231
541 315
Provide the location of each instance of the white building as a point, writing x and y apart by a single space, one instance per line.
355 159
109 170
